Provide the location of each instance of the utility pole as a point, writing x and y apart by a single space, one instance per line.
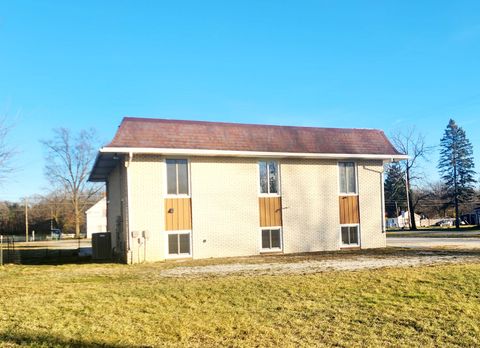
26 219
407 187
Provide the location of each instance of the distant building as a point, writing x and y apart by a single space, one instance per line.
97 218
472 218
403 221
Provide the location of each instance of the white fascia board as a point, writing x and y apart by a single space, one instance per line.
229 153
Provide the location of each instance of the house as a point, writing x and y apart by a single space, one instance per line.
403 220
472 218
190 189
97 217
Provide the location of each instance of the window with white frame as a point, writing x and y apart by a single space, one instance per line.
348 178
271 239
350 235
179 244
177 177
269 183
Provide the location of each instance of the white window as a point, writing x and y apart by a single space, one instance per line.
271 239
179 244
269 183
350 235
348 178
177 177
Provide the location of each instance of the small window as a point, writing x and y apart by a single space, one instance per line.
348 181
271 239
350 235
268 177
177 176
179 244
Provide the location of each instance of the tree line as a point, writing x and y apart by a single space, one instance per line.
408 189
69 158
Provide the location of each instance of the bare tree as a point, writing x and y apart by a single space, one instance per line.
411 143
69 159
6 152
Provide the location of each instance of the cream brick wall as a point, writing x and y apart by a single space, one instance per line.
370 196
310 191
146 176
225 211
310 205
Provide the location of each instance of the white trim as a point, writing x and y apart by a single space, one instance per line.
358 236
262 250
178 256
355 165
279 186
165 182
197 152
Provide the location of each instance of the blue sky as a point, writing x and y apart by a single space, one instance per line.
366 64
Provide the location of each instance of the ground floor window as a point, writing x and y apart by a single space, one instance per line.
271 239
179 244
350 235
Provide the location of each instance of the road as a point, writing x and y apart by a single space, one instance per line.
425 242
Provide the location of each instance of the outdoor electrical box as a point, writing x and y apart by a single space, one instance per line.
101 246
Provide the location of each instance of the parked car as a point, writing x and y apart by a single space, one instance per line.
444 223
56 233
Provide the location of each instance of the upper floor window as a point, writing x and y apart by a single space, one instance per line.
268 177
177 176
348 179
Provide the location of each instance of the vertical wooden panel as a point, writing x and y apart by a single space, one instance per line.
178 214
349 210
270 211
188 214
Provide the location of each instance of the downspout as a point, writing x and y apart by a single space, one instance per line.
129 215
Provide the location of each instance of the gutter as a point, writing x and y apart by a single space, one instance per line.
232 153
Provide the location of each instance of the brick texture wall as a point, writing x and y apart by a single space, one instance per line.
310 205
225 212
370 197
225 209
147 175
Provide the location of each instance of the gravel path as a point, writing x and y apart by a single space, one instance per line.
315 266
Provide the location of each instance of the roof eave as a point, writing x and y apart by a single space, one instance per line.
234 153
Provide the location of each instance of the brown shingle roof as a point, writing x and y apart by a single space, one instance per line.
198 135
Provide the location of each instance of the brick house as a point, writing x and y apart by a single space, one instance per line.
190 189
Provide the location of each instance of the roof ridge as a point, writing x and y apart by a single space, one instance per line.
223 123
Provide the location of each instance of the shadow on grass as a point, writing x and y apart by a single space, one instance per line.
42 340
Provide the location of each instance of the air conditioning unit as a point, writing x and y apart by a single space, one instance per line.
101 246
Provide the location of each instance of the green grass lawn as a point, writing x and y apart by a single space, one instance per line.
108 305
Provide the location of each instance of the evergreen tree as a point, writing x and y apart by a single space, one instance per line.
456 167
395 192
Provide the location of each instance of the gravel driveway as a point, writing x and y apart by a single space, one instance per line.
345 263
